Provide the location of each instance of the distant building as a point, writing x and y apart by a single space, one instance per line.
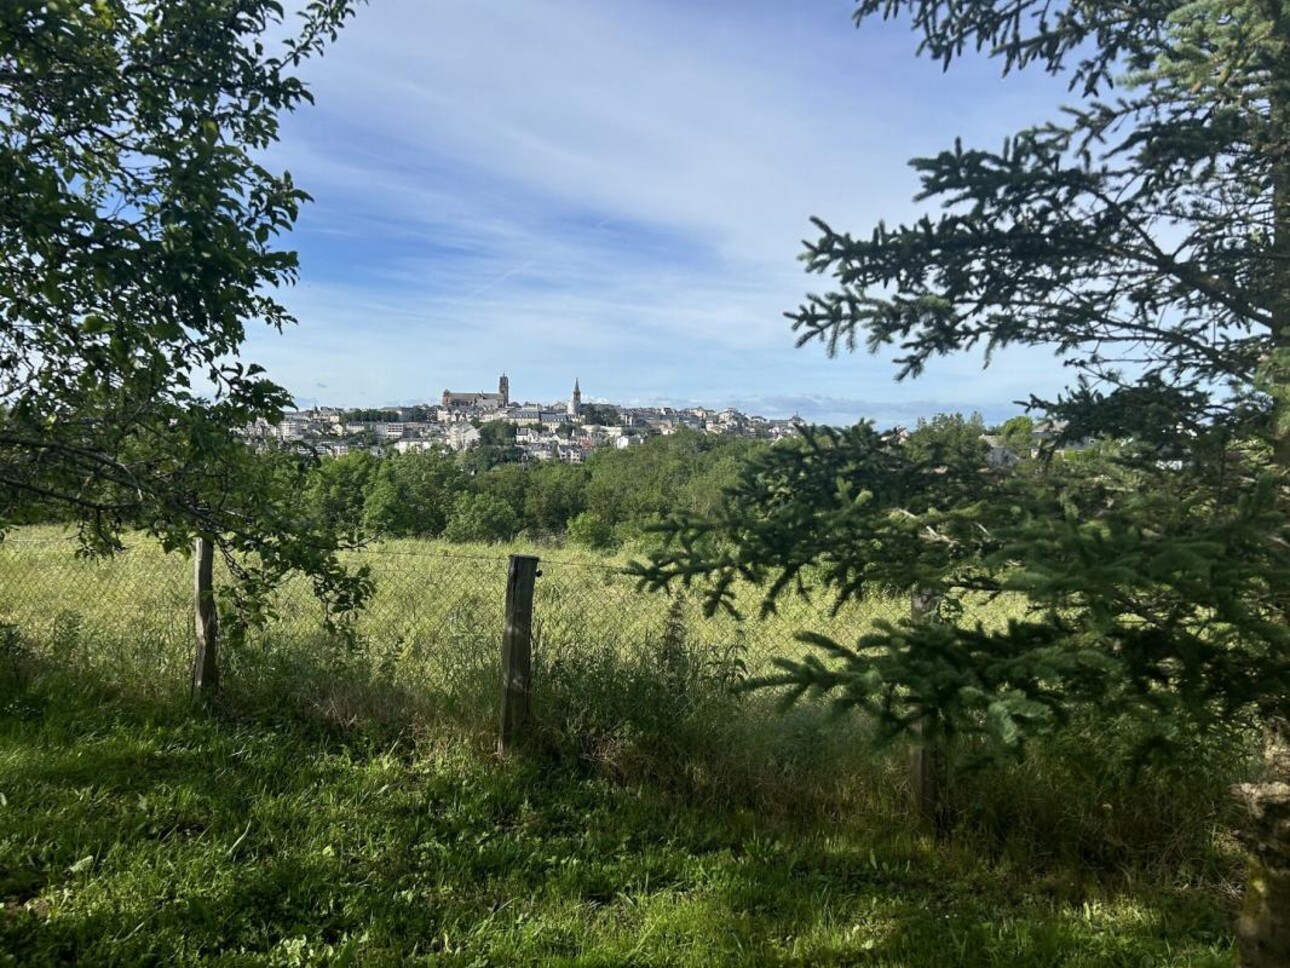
450 425
294 426
527 416
417 446
575 401
463 437
454 400
999 454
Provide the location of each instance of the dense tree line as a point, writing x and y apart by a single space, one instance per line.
616 497
486 494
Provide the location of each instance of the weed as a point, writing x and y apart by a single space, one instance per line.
341 803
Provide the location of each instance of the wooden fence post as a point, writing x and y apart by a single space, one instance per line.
517 649
1263 931
206 665
926 760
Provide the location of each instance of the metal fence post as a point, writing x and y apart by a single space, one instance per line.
206 665
926 760
517 649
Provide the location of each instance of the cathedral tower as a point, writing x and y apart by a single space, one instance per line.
575 401
504 390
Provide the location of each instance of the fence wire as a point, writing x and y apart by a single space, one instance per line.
437 611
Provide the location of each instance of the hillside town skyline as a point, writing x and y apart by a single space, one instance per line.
567 430
783 408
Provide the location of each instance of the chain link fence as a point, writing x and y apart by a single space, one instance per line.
436 607
427 599
638 684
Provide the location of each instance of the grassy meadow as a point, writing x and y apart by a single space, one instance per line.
341 803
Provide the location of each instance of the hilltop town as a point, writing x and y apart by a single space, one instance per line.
567 430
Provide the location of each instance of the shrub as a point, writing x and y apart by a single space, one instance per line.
591 530
482 518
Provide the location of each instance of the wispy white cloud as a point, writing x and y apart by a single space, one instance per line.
618 191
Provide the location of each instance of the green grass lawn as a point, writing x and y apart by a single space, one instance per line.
341 805
126 839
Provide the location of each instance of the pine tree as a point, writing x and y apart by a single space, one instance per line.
1145 237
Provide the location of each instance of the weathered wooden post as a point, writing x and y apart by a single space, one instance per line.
926 760
1263 932
517 649
206 665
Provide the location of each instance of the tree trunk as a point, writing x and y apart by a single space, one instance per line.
206 661
1263 933
926 757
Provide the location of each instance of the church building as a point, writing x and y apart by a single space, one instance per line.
487 401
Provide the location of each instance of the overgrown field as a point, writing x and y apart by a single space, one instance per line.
342 805
433 599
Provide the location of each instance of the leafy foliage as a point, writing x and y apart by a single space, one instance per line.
336 489
412 494
496 447
601 414
1145 237
556 495
590 530
647 481
482 517
1137 237
138 233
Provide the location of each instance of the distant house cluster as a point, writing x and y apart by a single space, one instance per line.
565 431
1005 453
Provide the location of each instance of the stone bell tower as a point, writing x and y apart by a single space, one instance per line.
575 401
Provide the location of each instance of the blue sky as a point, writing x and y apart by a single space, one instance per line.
616 191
